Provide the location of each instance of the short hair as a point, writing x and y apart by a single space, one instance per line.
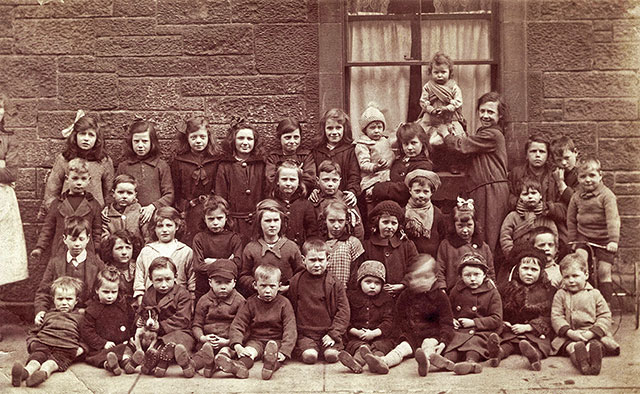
315 244
229 143
527 183
192 125
142 126
340 117
107 274
541 139
269 205
542 230
329 166
406 132
106 250
441 58
564 143
266 272
162 262
585 163
67 283
164 213
422 181
75 225
574 260
503 109
287 125
212 203
78 165
125 178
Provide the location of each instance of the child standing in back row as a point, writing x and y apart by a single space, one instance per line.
143 163
565 155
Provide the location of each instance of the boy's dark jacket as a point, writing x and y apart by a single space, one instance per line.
176 308
56 268
371 312
421 315
335 300
102 323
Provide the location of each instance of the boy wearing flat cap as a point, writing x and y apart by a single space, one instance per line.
424 223
214 313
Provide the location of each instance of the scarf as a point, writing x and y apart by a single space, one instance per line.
419 220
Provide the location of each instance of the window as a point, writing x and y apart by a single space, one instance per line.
389 44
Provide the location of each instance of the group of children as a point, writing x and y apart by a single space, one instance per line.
337 253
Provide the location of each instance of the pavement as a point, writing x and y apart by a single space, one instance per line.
619 374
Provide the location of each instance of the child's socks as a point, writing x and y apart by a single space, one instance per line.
532 355
595 357
111 364
349 361
330 355
310 356
269 359
423 362
494 349
165 355
439 361
37 378
18 374
184 361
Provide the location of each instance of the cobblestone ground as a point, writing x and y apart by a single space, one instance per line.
619 374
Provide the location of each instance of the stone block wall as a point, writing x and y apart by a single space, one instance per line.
162 59
582 61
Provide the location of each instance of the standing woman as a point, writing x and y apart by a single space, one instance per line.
13 259
487 175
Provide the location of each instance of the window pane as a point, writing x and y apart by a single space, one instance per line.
466 6
460 39
379 41
474 81
387 87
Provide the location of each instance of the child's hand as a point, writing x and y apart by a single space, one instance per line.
393 289
3 164
368 335
456 324
350 199
139 299
521 328
283 288
356 332
39 318
244 352
586 335
574 336
314 197
382 163
558 175
209 260
146 213
612 247
208 338
327 341
281 357
79 352
219 343
109 345
36 253
466 323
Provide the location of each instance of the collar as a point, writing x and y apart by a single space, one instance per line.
152 161
277 194
190 157
229 300
322 147
82 257
487 285
394 241
365 139
587 195
359 299
275 249
113 212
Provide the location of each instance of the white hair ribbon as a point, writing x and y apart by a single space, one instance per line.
465 204
67 132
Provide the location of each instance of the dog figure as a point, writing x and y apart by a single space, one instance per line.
148 325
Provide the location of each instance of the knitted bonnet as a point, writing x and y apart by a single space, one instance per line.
372 114
372 268
390 207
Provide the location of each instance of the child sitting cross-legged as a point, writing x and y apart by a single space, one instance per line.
55 342
423 317
214 313
477 312
581 318
371 317
264 327
526 311
321 306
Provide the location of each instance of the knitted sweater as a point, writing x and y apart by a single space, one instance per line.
594 215
368 153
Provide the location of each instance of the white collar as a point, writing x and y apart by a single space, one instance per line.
81 258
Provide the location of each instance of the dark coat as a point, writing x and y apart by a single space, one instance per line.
486 178
420 315
53 226
176 309
371 312
214 315
396 255
285 255
103 323
336 302
304 159
301 223
153 176
529 304
193 176
56 268
484 306
243 185
207 244
438 232
451 251
345 155
395 189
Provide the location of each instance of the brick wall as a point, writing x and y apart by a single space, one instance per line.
582 81
162 59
